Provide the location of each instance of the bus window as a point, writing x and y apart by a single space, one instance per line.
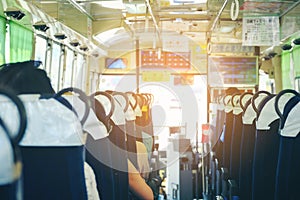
297 84
21 42
94 82
80 72
2 39
54 70
67 79
92 86
120 83
176 103
265 82
40 50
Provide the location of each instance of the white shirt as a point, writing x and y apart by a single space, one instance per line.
90 181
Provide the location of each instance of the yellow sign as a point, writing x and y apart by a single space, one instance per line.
164 3
156 76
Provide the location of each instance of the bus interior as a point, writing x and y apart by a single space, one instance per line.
200 83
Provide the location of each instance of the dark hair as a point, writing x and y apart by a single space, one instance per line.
25 78
232 90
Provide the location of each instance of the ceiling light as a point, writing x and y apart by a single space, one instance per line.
83 48
226 29
74 42
41 26
14 13
60 36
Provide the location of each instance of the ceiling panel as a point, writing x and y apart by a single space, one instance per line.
193 20
266 7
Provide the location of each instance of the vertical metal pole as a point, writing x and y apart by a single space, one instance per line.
85 72
74 62
61 66
48 58
203 173
197 164
137 61
292 69
208 89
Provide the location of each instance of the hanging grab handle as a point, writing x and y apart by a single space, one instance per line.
83 97
280 94
257 94
22 114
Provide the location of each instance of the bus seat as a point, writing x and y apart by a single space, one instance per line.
238 102
91 184
130 117
236 138
52 151
96 130
131 130
287 174
108 156
144 124
98 153
52 147
138 113
247 142
91 125
10 158
228 131
220 120
246 149
265 150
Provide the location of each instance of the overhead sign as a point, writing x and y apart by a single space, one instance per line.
261 31
176 44
156 76
231 48
171 60
226 71
184 79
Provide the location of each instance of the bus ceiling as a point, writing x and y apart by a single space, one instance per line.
103 25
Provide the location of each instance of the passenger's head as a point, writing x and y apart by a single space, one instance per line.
232 90
25 78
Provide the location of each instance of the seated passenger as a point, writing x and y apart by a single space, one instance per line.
143 161
27 78
90 181
137 184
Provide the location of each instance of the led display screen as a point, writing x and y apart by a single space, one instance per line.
226 71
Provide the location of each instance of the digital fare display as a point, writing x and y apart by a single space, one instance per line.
224 71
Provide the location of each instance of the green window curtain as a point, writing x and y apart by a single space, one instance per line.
2 39
285 70
21 43
296 56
